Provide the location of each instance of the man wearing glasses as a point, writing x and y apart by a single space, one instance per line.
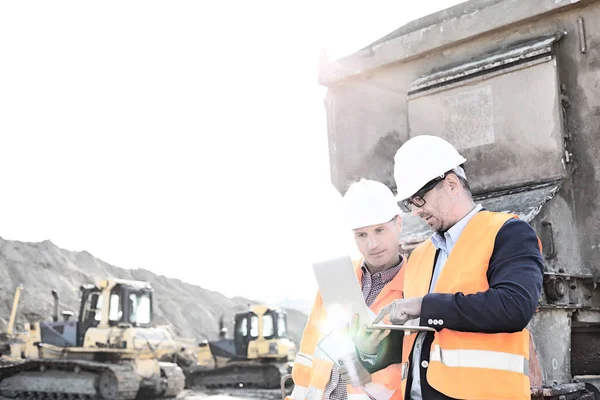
476 281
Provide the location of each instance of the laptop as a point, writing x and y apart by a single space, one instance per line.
342 296
340 290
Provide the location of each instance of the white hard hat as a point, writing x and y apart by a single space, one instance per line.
421 159
368 203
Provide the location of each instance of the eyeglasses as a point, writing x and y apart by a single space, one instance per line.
417 199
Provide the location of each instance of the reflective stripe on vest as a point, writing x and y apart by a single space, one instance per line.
314 393
480 359
358 396
303 359
299 392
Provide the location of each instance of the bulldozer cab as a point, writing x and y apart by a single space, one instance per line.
258 323
260 332
127 303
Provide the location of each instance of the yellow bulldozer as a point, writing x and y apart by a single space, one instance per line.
111 351
259 354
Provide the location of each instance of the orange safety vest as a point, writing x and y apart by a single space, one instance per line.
312 368
467 365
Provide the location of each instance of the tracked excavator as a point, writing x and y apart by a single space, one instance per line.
109 352
259 354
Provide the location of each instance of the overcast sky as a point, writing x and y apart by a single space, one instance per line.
187 138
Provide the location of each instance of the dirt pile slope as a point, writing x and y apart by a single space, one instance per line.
192 311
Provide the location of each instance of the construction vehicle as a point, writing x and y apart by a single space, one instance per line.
10 343
515 86
259 354
181 351
109 352
203 356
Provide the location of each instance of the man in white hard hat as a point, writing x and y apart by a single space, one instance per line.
476 281
372 214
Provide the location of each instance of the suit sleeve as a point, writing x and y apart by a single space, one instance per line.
515 276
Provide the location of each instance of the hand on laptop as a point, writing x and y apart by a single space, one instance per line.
365 340
400 311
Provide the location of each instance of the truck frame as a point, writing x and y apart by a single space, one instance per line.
515 86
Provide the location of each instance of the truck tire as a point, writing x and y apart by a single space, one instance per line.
591 388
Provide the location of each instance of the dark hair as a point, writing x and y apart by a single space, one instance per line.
463 182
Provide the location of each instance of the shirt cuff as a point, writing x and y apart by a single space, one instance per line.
368 358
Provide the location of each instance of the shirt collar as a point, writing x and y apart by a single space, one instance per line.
450 237
386 275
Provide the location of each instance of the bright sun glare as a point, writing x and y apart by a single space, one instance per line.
185 138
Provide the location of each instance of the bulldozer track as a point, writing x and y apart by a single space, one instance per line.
265 376
175 379
103 381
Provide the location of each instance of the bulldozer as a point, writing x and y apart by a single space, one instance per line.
186 352
515 86
110 352
259 354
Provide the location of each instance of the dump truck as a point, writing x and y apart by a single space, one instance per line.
111 351
515 86
259 354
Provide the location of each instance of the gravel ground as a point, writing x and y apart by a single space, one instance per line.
232 394
225 394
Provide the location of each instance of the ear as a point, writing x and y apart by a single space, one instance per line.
453 182
399 223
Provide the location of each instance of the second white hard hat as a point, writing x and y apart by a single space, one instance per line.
421 159
367 203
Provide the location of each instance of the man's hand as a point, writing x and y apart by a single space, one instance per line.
400 311
365 340
353 372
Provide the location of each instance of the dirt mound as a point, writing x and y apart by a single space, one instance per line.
192 311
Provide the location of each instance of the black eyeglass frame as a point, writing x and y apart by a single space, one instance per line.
417 199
